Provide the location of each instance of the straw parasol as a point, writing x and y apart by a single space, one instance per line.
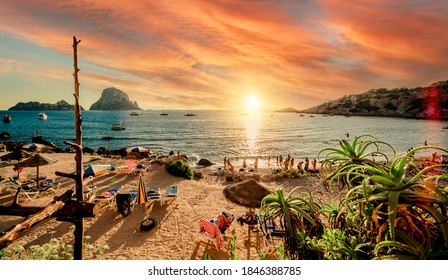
36 160
17 154
248 193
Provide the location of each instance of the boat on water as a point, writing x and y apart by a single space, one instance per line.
190 115
134 114
42 116
4 135
164 114
108 137
117 126
7 118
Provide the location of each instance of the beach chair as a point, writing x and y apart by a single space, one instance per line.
154 194
31 191
211 231
126 202
171 192
140 168
271 232
108 197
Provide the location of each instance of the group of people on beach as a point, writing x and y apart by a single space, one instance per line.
285 164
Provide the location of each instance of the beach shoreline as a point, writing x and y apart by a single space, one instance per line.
176 234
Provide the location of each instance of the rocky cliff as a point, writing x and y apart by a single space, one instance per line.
36 106
429 102
114 99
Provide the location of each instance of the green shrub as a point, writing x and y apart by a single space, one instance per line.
180 168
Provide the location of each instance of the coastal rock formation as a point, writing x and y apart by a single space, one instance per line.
422 102
114 99
205 162
287 110
36 106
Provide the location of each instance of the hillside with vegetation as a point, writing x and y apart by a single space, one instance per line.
429 102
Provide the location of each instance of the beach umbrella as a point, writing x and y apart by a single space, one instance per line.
34 146
248 193
36 160
137 149
142 196
17 154
97 169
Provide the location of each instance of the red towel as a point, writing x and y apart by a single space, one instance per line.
213 230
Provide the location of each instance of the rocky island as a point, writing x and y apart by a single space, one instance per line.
114 99
429 102
36 106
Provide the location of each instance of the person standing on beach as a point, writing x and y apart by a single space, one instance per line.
231 168
299 166
244 163
256 164
314 163
281 160
225 163
307 164
269 161
286 164
292 163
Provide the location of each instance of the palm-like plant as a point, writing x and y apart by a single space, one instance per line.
402 198
296 212
349 155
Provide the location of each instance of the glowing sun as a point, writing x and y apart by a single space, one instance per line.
252 102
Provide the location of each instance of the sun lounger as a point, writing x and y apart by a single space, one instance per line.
126 202
154 194
271 232
31 191
171 192
108 197
140 168
210 230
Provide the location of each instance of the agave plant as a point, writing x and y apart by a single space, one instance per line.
402 198
349 155
296 212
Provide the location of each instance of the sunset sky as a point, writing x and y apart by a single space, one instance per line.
204 54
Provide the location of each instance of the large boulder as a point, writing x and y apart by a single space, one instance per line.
205 162
114 99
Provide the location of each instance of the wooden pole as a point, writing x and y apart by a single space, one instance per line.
79 223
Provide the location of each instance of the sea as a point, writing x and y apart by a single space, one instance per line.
214 135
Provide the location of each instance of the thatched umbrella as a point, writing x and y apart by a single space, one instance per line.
36 160
248 193
17 154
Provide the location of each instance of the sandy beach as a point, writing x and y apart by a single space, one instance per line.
175 236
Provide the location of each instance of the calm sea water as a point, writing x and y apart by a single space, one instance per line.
216 134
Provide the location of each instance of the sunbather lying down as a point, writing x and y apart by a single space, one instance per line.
223 221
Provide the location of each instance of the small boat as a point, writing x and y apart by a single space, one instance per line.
7 118
42 116
190 115
134 114
5 135
117 126
164 114
107 137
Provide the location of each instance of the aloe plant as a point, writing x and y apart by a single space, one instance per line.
401 197
295 212
349 155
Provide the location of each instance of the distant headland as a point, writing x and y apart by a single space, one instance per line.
36 106
429 102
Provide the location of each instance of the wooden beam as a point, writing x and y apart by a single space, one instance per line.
62 207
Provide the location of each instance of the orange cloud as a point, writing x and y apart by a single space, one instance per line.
210 53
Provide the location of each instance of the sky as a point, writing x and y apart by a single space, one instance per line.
207 55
